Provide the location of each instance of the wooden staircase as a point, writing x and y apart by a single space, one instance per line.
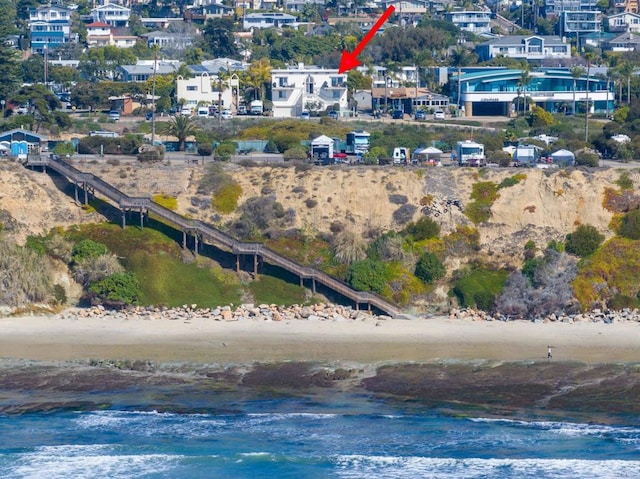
207 233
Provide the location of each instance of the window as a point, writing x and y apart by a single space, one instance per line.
309 85
283 81
192 88
282 95
337 81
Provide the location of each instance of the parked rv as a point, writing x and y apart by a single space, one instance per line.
470 153
401 156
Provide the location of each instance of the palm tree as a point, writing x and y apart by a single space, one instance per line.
626 70
181 127
259 74
576 73
523 82
460 58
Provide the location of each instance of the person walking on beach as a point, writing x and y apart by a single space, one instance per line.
549 356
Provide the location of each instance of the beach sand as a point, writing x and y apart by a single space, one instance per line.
371 341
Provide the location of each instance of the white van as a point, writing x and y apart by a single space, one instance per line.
203 111
114 115
186 111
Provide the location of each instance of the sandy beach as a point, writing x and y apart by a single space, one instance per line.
54 338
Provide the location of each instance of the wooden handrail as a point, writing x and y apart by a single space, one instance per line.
219 237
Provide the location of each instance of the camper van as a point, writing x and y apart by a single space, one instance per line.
401 156
470 153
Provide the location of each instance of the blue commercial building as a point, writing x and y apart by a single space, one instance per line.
499 92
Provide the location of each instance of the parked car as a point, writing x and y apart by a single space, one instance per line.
438 115
398 114
333 114
305 115
185 111
114 115
242 110
421 115
226 114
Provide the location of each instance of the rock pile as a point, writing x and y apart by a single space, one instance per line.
266 312
594 316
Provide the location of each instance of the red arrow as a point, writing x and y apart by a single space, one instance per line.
350 60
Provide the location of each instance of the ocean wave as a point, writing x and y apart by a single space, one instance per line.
569 429
87 461
358 466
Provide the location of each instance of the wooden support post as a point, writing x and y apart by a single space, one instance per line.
237 263
313 285
75 187
301 282
357 306
184 239
141 218
195 238
124 219
86 194
255 264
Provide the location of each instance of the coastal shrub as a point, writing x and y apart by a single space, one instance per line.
557 246
424 228
620 201
479 287
402 286
404 214
398 199
367 275
225 200
95 268
512 180
463 241
169 202
295 153
258 214
630 226
386 247
543 289
429 268
483 194
624 181
205 149
584 241
24 276
224 151
87 249
348 247
117 290
587 158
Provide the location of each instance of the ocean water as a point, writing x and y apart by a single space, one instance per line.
341 437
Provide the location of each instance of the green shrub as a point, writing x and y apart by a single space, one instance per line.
484 194
150 154
367 275
584 241
87 249
479 288
556 246
295 153
226 199
224 151
625 182
429 268
512 180
205 149
424 228
117 290
169 202
587 158
630 226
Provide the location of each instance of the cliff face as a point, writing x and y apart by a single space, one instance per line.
544 205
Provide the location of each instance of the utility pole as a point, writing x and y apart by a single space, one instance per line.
46 66
153 100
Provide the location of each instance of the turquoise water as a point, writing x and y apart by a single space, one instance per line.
340 437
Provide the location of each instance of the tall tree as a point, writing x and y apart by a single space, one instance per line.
9 58
259 74
181 127
523 83
218 36
589 57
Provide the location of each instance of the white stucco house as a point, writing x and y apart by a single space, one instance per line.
307 88
205 89
112 14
